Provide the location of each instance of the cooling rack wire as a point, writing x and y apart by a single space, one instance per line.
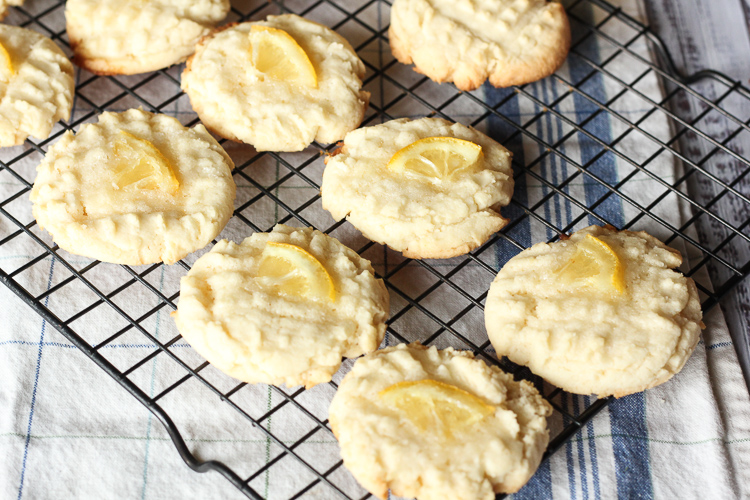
585 142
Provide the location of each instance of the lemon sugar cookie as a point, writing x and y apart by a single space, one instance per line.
511 42
602 312
134 188
36 85
427 188
282 307
437 424
112 37
278 84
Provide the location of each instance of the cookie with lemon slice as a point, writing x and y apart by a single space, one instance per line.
112 37
278 84
36 85
282 307
134 188
436 424
428 188
601 312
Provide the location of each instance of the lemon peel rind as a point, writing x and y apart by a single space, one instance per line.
300 60
7 70
592 249
162 173
415 152
429 395
292 253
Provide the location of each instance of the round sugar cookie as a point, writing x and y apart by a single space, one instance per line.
282 307
602 312
4 4
511 42
243 95
436 424
134 188
36 85
112 37
423 216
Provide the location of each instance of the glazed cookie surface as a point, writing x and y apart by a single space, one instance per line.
422 216
602 312
436 424
511 42
251 100
36 85
242 310
134 188
111 37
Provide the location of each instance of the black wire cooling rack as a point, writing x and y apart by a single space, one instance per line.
609 105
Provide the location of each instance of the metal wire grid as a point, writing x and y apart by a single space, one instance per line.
608 44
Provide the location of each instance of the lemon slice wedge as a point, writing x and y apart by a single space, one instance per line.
277 55
431 404
594 264
6 65
290 270
139 165
438 158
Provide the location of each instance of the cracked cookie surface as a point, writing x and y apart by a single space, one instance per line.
419 216
91 201
239 101
585 334
36 86
243 325
509 42
495 441
111 37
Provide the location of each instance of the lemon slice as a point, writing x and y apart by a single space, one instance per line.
594 264
139 165
6 65
277 55
439 158
291 270
430 404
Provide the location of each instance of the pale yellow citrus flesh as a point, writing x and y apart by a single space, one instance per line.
438 158
436 406
291 270
139 165
595 265
278 56
6 65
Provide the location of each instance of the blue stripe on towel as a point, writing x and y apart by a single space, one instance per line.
554 173
500 130
605 167
36 386
627 415
581 452
549 170
563 208
592 451
540 485
569 450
